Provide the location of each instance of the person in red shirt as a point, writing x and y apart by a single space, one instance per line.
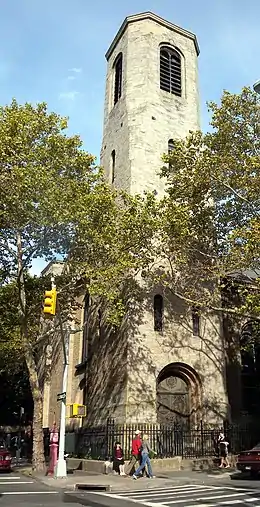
136 453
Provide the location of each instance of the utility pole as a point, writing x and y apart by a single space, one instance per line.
61 467
51 302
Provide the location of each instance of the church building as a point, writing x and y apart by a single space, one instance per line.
170 368
166 364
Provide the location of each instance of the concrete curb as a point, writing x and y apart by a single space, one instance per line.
40 479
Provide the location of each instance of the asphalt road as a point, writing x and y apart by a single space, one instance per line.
193 495
186 495
18 490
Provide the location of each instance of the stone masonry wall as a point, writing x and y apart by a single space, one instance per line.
151 351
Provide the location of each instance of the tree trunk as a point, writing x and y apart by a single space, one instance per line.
38 461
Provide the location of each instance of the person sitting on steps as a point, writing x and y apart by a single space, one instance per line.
118 459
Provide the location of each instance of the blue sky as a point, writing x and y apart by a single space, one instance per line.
53 51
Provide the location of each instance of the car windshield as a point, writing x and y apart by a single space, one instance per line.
256 448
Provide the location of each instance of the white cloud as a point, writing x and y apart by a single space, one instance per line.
68 95
76 70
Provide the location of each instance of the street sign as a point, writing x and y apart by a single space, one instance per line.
61 396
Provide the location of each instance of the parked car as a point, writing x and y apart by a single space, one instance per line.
249 461
5 459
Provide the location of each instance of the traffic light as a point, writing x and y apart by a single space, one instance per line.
49 306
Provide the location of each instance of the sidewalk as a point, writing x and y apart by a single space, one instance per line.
88 481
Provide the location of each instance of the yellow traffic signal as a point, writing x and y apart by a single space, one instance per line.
49 306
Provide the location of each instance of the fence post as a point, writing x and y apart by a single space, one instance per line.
202 438
110 430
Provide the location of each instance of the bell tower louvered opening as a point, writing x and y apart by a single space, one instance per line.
170 71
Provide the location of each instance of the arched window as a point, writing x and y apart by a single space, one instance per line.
118 65
113 165
158 312
195 321
170 71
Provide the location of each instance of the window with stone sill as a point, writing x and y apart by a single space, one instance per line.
113 165
118 66
170 146
170 149
158 312
170 71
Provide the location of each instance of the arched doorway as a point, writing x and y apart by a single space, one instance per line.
178 395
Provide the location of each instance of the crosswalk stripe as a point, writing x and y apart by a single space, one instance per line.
172 489
30 493
9 478
15 482
178 494
164 492
177 500
231 502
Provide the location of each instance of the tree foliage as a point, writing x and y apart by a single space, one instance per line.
56 202
210 214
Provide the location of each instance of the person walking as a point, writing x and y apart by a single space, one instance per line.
145 450
136 453
223 451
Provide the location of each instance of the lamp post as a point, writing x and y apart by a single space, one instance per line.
256 87
60 471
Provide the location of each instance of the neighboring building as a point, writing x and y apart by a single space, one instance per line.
52 365
242 343
166 363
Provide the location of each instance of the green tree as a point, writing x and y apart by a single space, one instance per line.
55 202
210 215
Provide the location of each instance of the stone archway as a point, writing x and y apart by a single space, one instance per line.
178 395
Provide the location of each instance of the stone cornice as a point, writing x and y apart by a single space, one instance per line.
157 19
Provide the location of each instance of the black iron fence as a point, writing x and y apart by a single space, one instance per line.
168 441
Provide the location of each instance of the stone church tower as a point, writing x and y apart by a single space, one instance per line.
170 369
151 97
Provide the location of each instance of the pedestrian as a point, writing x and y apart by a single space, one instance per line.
223 451
118 459
136 453
145 450
215 444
